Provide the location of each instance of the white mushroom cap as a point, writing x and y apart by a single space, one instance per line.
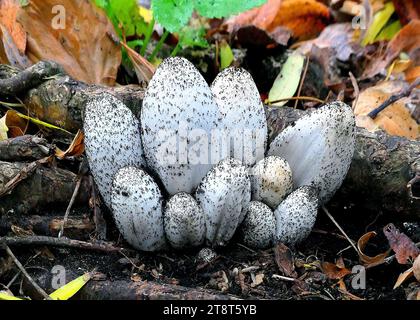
177 117
271 181
223 194
259 226
319 148
112 139
184 221
296 215
242 115
137 209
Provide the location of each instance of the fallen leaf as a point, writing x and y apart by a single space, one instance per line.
76 148
75 36
406 40
3 128
143 68
338 36
334 271
407 10
305 18
403 277
8 13
287 81
226 55
259 278
71 288
252 36
404 248
380 19
284 260
416 268
365 259
395 119
412 74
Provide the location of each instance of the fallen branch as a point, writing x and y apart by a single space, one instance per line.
24 148
25 273
404 93
145 290
23 174
60 242
29 78
43 187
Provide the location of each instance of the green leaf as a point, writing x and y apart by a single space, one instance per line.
226 55
225 8
379 21
70 289
172 14
126 13
193 37
288 79
389 31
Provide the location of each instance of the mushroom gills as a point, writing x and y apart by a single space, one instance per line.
319 148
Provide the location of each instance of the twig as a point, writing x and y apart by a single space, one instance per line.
297 98
302 80
341 229
356 89
62 242
26 274
404 93
277 276
23 174
73 198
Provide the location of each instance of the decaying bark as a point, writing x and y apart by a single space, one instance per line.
145 290
24 148
77 227
382 167
46 186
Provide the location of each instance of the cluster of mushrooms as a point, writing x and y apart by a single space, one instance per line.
169 179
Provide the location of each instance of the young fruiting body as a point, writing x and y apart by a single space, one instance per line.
177 118
271 181
319 148
137 208
184 221
112 139
296 215
243 118
259 226
223 194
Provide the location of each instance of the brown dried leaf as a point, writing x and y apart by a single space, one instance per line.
402 277
17 126
76 148
143 68
305 18
334 271
406 40
83 47
416 268
8 13
395 119
405 249
365 259
407 10
259 278
284 260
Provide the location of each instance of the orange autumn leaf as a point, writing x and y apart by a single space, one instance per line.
75 34
412 74
16 125
76 148
336 270
395 119
365 259
8 13
305 18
